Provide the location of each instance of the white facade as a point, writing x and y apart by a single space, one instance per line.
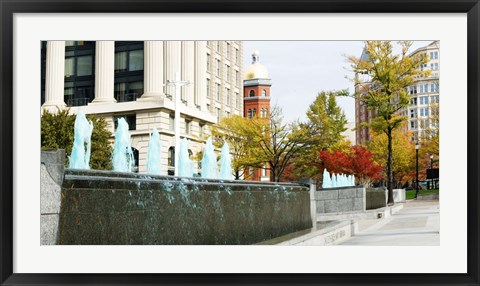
422 113
213 67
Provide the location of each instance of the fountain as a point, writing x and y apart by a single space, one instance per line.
326 182
122 157
154 153
225 163
80 157
209 162
184 163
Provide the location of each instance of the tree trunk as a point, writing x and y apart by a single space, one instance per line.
390 167
237 175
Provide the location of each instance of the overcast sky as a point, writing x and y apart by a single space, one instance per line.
301 69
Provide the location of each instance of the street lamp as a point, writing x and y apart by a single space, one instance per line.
431 168
417 146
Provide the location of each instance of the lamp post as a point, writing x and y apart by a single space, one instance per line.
417 146
431 168
178 84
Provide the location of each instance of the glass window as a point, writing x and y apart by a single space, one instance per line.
426 111
421 88
237 99
218 67
69 67
436 55
208 88
252 93
228 96
218 92
135 60
264 92
228 50
69 43
426 87
135 89
171 156
431 55
120 61
187 126
208 62
120 89
249 113
84 65
425 100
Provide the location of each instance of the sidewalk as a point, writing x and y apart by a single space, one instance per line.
418 223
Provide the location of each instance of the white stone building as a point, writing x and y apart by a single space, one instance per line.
128 79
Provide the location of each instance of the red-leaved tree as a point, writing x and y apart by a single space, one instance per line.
358 161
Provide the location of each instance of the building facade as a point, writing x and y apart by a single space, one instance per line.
256 103
129 79
423 110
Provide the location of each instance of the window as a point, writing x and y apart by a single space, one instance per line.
135 60
432 87
251 173
128 91
435 55
218 92
421 112
218 67
208 62
425 100
69 67
187 126
208 88
129 61
426 87
436 66
228 50
217 112
200 131
237 78
264 92
249 114
421 88
236 55
131 120
218 46
171 157
252 93
426 111
227 114
264 171
412 113
171 122
227 72
237 100
84 65
208 108
254 112
228 96
431 56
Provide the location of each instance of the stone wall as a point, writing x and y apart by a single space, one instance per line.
344 199
100 207
376 198
51 177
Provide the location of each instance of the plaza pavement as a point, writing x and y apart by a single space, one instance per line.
418 223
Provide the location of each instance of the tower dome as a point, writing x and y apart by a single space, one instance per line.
256 69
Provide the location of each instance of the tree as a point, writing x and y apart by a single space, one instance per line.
390 75
237 133
403 154
57 131
357 161
325 123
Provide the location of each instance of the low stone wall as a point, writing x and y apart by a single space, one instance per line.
51 177
100 207
345 199
376 198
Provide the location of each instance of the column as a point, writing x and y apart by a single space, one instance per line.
200 81
188 70
172 64
153 72
104 72
54 76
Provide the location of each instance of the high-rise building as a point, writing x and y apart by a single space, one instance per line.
129 79
422 112
256 101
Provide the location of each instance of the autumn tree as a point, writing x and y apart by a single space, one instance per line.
324 126
57 132
357 161
389 76
403 154
237 132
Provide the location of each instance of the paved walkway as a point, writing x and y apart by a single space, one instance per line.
418 223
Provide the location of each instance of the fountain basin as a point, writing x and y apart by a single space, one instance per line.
104 207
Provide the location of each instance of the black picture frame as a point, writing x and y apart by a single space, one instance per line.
9 7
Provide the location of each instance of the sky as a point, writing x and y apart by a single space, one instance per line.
301 69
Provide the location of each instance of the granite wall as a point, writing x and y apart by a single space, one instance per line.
51 177
100 207
337 200
376 198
